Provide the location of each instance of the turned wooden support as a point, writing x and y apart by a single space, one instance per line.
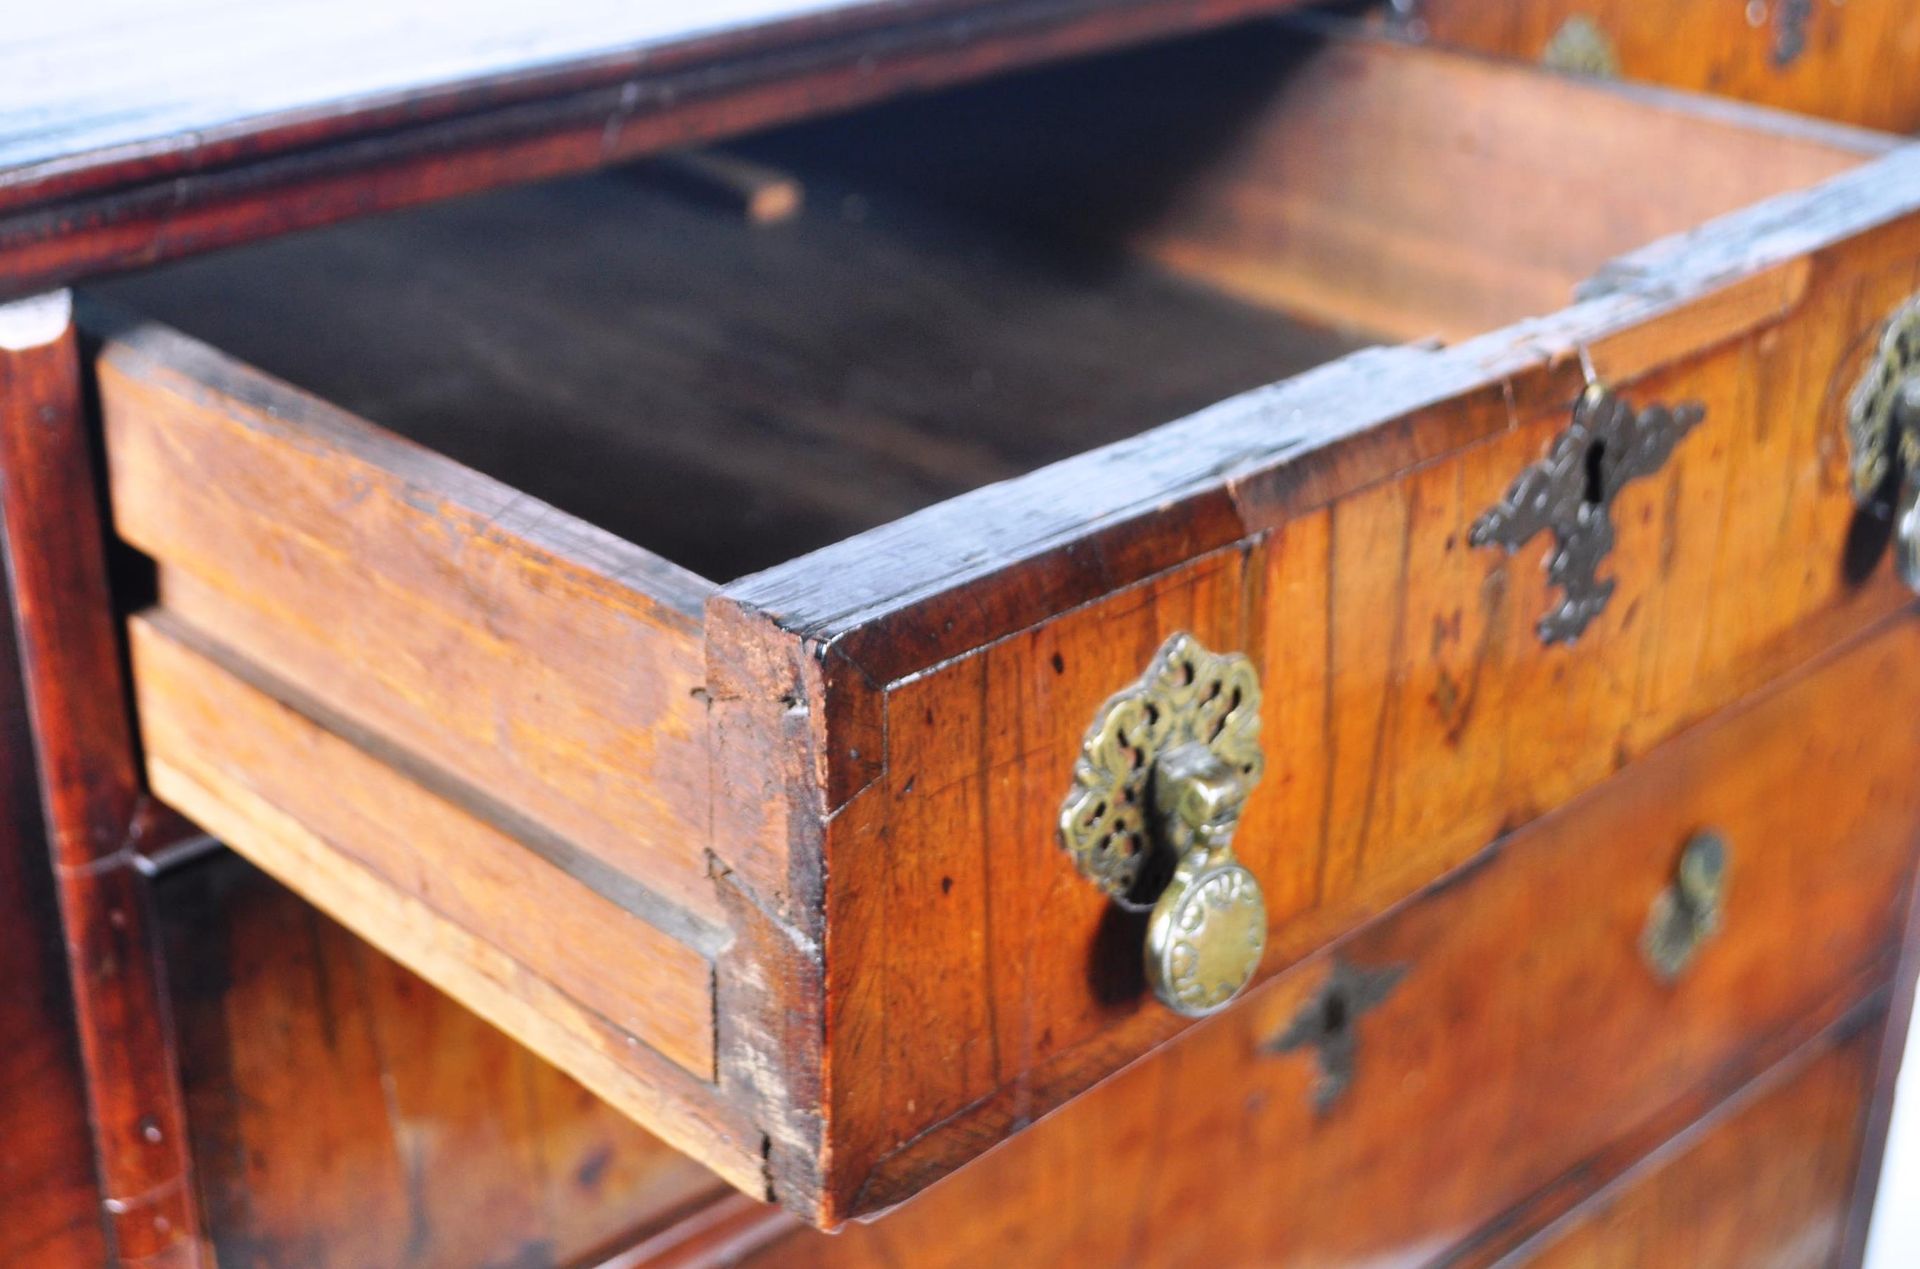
97 813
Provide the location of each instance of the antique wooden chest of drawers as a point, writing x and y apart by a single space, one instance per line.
1295 628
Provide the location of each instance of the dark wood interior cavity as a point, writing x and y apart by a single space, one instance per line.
979 283
724 394
728 394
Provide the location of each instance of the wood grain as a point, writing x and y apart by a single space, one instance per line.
677 1108
1381 186
50 1212
525 653
1527 1055
94 806
344 1113
1401 193
204 713
607 997
1848 62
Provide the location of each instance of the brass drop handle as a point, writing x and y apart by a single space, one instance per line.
1689 911
1883 436
1906 504
1163 775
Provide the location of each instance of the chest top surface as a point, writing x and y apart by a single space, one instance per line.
133 133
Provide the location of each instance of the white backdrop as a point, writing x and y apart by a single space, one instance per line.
1895 1241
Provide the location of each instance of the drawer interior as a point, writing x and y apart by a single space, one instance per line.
721 393
979 282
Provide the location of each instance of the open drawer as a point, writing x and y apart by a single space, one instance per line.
775 865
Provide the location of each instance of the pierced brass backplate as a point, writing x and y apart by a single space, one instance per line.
1580 47
1883 436
1688 912
1570 493
1157 793
1883 439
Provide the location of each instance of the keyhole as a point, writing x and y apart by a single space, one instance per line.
1596 485
1333 1014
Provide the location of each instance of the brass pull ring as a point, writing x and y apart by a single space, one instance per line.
1163 775
1883 435
1689 911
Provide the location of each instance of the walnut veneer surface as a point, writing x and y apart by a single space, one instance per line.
664 623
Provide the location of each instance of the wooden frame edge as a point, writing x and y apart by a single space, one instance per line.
96 808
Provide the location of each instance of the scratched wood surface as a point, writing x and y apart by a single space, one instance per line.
1848 61
345 1113
1524 1054
1411 716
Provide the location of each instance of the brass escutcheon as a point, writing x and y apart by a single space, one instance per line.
1570 494
1157 792
1329 1024
1688 912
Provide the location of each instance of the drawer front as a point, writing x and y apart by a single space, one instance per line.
1467 1068
1771 1181
1844 62
1411 712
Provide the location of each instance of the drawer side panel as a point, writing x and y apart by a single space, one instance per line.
620 1004
522 651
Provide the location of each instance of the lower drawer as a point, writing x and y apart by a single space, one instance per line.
344 1114
1770 1182
1469 1068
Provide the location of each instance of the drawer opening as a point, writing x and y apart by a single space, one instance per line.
980 282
